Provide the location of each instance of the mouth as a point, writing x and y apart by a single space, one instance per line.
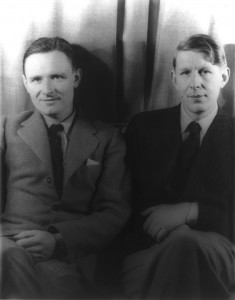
49 99
197 96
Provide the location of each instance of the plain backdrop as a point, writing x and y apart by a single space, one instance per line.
125 49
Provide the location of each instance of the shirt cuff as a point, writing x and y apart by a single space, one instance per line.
192 214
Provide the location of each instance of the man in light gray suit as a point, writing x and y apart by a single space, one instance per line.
64 185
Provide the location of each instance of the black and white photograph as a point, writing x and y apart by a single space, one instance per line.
117 149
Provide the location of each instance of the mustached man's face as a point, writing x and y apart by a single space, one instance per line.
50 81
198 82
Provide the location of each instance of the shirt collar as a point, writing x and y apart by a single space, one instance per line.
205 123
66 123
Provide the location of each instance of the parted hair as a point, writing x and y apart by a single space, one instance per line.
47 44
206 44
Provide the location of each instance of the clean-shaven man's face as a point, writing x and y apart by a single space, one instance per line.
198 82
50 81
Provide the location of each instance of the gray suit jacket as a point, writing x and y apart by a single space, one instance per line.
94 205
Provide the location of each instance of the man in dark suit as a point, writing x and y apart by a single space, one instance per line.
182 165
64 189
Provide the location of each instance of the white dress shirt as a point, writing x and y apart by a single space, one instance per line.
205 122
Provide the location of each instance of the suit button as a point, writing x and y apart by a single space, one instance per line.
49 180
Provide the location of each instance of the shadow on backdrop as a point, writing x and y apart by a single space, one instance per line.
94 98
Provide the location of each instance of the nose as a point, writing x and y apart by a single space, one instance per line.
47 87
195 81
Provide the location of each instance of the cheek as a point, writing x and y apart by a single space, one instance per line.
182 85
213 86
69 90
33 91
63 88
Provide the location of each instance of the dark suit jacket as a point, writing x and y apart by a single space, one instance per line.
153 141
94 205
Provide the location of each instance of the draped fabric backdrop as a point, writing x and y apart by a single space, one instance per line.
125 49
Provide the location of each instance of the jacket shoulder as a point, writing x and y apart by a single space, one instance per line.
19 118
107 132
11 121
153 118
223 118
102 127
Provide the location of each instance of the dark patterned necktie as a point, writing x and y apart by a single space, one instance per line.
187 155
57 156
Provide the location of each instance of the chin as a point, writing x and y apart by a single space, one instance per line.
49 112
196 111
198 108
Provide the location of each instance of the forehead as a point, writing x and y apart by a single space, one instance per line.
187 59
54 61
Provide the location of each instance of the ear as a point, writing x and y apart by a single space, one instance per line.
225 76
173 78
25 82
77 77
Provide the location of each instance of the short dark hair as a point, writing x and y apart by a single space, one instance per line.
206 44
46 44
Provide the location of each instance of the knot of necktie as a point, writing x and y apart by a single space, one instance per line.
54 129
194 128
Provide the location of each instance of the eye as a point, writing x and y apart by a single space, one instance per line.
205 71
57 77
185 72
36 79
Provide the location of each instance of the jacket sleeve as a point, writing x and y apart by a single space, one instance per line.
111 207
216 203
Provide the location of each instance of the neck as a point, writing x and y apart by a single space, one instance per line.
56 120
196 116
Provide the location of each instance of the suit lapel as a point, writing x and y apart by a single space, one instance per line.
173 139
82 142
214 148
33 132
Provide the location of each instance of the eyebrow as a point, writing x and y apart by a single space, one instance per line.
200 68
34 77
184 69
51 75
58 74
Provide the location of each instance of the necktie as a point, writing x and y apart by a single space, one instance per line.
57 156
190 146
187 155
